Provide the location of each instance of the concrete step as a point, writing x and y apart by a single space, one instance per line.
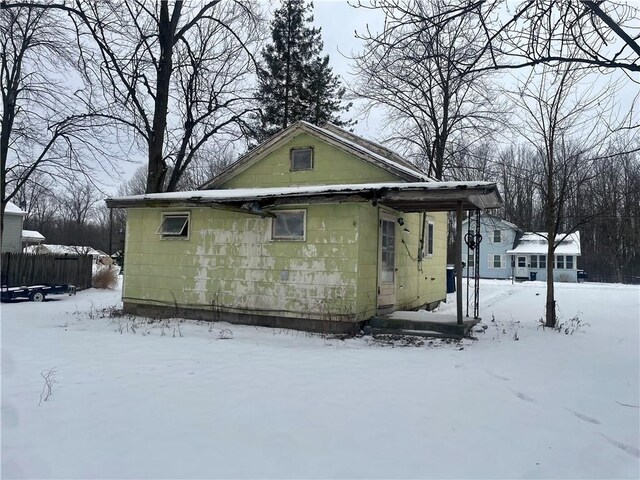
450 328
414 333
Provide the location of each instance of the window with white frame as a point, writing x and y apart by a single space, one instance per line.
542 261
430 231
471 260
533 261
301 159
174 225
495 261
497 236
288 225
568 260
560 261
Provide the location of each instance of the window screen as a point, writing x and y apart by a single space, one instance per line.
288 225
302 159
174 225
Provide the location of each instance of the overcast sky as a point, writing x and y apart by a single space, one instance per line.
339 21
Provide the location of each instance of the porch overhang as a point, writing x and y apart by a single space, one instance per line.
404 197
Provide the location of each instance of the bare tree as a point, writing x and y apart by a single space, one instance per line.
564 128
413 68
587 32
45 128
174 74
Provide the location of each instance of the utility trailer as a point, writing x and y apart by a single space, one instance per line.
35 293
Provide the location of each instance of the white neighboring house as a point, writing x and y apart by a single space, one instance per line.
498 236
31 237
45 248
529 257
12 232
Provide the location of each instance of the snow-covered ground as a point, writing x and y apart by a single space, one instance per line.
195 400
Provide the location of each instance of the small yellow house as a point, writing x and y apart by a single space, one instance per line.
315 229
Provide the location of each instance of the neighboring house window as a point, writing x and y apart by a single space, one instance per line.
569 262
533 262
429 242
471 261
175 225
495 261
288 225
302 158
497 236
542 261
560 261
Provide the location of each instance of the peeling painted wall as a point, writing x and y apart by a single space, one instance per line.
230 262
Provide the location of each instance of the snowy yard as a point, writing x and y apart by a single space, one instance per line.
195 400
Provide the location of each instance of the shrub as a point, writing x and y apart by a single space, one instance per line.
105 277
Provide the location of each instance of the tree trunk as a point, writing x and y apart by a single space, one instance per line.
166 31
550 310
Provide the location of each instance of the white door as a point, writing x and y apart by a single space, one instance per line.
387 264
522 270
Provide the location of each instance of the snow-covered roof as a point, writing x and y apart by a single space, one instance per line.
362 148
13 209
536 243
423 196
32 235
65 250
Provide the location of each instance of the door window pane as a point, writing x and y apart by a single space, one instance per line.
388 252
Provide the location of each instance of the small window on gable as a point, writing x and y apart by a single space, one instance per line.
302 159
174 225
497 236
288 225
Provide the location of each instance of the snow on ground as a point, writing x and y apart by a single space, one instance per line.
195 400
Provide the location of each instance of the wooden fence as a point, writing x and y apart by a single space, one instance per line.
20 269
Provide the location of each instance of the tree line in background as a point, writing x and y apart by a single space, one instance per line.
513 93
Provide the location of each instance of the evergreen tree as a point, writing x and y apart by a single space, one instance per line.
295 79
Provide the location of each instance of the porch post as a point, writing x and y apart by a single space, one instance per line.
459 262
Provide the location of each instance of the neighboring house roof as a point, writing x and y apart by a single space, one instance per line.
32 236
65 250
12 209
485 216
353 144
536 243
406 197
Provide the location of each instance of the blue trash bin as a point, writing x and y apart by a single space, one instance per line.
451 279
